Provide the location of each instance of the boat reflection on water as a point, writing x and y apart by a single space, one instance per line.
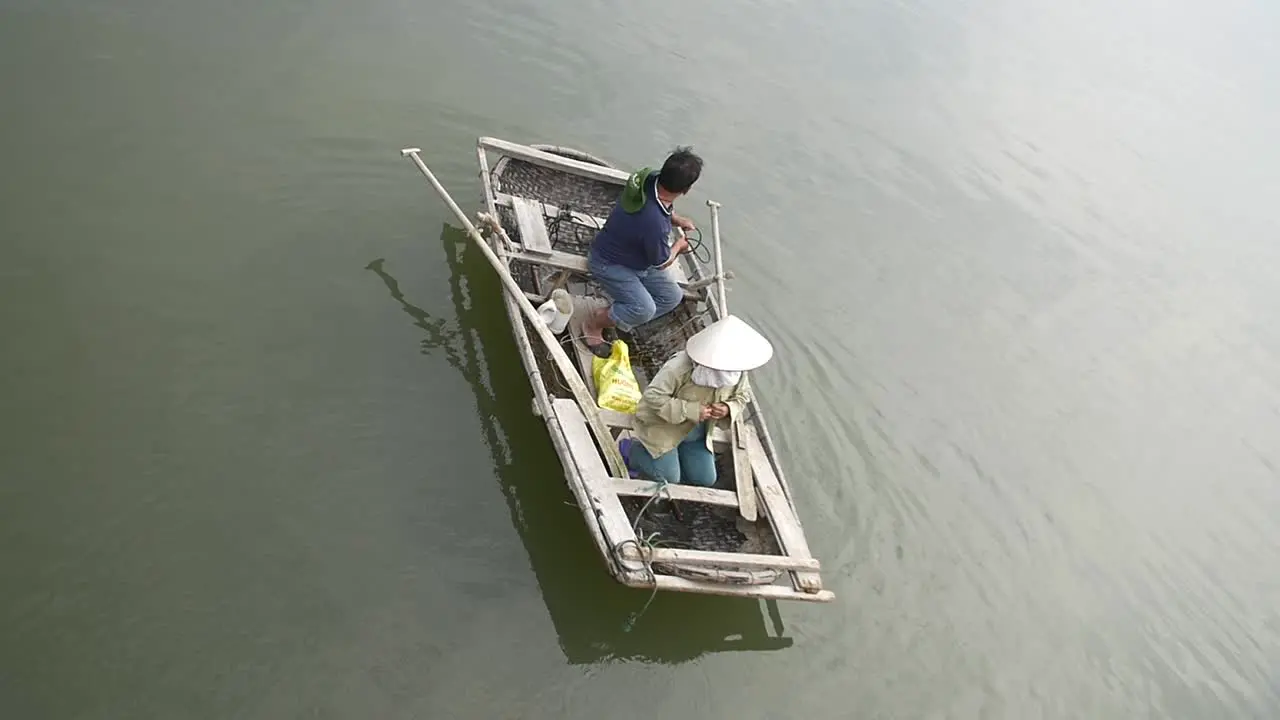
595 617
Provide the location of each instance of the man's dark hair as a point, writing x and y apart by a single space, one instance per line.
681 170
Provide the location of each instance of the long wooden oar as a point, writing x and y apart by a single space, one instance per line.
744 479
576 385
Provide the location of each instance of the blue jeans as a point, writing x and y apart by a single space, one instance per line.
638 295
690 463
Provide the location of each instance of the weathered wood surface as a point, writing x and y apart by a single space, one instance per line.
532 226
555 162
556 259
486 181
786 526
703 558
690 493
557 353
615 419
766 592
542 407
613 519
743 477
506 200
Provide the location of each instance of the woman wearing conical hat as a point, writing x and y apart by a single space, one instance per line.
701 386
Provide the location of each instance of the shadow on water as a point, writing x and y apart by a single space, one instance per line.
591 611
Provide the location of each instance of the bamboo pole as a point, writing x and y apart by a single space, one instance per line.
579 389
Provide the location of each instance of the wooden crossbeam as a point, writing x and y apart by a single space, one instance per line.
555 162
703 558
691 493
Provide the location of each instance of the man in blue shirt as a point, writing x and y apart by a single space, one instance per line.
630 255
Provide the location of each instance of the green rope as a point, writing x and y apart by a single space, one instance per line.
660 486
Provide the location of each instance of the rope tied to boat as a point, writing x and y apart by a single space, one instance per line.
489 225
660 486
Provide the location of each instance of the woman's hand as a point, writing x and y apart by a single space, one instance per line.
714 411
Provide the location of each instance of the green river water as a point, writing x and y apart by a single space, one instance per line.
268 451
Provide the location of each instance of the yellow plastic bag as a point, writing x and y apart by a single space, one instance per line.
616 386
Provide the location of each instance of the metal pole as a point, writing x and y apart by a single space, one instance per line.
744 478
715 237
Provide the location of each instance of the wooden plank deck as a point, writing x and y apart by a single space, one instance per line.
704 558
743 477
691 493
613 519
531 226
786 526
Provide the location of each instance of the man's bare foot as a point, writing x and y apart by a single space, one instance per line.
593 331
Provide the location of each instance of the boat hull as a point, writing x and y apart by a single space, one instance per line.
673 538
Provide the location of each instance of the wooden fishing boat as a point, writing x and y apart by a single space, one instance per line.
543 206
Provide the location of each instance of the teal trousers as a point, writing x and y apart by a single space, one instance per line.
691 463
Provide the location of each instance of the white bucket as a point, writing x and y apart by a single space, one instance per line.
555 312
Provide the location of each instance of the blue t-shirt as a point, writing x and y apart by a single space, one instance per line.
636 240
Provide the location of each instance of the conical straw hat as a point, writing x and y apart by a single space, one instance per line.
730 345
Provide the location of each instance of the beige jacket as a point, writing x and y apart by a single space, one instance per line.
669 408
